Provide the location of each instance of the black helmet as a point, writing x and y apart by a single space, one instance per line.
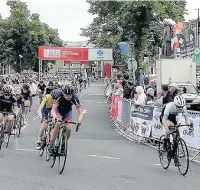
68 89
25 86
50 83
7 89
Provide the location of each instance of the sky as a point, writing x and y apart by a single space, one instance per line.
68 16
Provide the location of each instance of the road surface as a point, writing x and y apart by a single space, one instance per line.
99 158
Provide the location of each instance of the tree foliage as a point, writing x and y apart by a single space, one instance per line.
21 34
140 23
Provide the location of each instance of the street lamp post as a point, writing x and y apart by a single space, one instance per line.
20 58
198 41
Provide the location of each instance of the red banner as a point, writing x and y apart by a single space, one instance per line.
114 108
63 53
76 62
107 69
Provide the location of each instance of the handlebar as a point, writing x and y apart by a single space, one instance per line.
70 122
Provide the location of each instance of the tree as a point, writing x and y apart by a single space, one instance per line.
134 22
21 34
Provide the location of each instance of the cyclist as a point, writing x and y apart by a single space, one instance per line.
49 87
62 110
26 93
44 111
20 103
169 114
41 89
7 101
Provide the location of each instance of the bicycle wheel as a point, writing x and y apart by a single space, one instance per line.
20 124
43 145
1 135
181 153
62 153
47 144
164 161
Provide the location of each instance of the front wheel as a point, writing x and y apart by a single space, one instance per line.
164 156
62 153
182 152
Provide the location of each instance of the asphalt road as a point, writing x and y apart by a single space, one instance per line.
99 158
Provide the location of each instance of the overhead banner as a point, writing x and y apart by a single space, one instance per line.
100 54
76 62
63 53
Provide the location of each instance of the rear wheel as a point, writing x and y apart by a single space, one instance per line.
47 145
1 135
164 156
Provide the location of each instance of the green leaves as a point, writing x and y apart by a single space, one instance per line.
21 34
136 22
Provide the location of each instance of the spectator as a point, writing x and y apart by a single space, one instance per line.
167 96
141 96
173 88
150 96
127 86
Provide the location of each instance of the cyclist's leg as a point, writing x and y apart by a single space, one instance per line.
54 132
68 117
45 112
26 111
167 136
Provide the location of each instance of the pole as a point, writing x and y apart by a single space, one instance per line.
198 27
20 65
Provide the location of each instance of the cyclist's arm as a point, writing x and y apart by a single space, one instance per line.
78 107
165 117
54 108
43 103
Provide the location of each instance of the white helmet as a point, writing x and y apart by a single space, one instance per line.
179 101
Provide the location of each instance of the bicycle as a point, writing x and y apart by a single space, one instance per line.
61 145
3 126
172 149
46 137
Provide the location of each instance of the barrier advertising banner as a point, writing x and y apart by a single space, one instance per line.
116 108
140 120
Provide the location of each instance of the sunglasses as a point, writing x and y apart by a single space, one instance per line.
7 94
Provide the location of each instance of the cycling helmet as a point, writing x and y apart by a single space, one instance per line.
179 101
7 89
50 83
25 86
55 93
68 89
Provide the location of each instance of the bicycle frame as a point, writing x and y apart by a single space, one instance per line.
175 138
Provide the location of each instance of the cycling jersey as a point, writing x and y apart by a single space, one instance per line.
42 87
7 104
26 95
47 101
170 111
65 106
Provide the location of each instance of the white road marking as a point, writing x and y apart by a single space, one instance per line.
24 127
28 150
35 118
106 157
85 111
161 165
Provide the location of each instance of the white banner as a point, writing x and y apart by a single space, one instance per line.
140 122
100 54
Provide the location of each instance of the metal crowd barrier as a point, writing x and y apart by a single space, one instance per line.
121 123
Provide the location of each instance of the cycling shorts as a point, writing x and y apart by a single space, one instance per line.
66 117
46 111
